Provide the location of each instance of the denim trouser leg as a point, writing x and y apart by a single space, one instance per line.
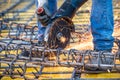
102 24
52 4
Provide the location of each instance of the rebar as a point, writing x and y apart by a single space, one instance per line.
13 64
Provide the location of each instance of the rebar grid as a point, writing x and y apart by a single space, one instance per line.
23 38
69 58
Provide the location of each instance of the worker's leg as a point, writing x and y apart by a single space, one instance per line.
102 24
102 29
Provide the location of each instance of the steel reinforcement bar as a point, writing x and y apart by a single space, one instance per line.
39 57
22 39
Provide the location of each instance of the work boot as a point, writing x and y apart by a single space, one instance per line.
106 58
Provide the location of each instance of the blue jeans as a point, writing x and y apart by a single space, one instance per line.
52 6
102 24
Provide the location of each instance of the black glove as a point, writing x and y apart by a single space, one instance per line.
43 16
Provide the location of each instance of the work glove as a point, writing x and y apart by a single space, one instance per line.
43 13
